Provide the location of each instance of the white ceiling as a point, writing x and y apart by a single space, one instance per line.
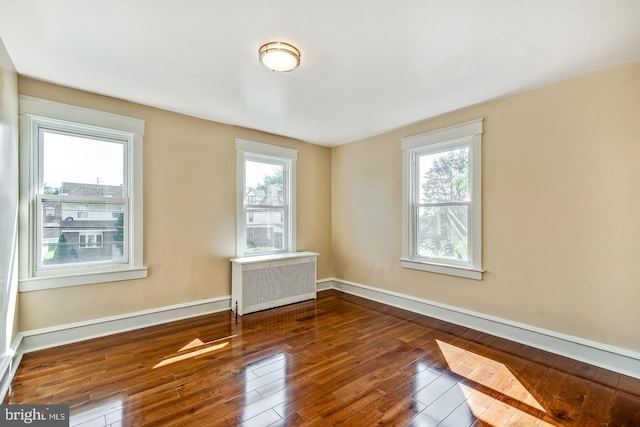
368 66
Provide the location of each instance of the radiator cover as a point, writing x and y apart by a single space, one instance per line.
263 282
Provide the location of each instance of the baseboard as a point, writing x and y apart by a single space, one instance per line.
603 355
609 357
38 339
325 284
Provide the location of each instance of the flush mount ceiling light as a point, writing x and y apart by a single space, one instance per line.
279 56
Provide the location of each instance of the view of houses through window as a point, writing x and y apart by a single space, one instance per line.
265 205
83 201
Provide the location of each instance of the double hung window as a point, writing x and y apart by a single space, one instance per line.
81 196
442 201
266 198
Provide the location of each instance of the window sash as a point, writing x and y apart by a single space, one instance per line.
75 130
41 127
247 208
435 259
264 233
442 147
38 242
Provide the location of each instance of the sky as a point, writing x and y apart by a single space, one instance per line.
76 159
256 171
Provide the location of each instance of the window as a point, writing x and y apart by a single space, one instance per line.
266 198
442 198
90 239
81 196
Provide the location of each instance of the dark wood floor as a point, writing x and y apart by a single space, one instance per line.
340 360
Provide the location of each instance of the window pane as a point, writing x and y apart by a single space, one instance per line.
444 177
264 184
76 165
265 229
96 237
443 232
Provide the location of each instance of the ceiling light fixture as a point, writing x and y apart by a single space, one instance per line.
279 56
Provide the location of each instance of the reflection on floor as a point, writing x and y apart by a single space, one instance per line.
340 360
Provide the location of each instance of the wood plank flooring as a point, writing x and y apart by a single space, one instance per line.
340 360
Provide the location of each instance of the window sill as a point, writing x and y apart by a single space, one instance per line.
78 279
467 273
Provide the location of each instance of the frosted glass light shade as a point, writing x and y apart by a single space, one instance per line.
279 56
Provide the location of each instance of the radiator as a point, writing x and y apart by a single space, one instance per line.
263 282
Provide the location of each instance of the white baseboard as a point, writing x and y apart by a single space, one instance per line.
616 359
609 357
38 339
324 284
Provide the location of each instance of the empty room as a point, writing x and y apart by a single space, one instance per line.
319 213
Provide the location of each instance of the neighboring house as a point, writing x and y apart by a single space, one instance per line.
265 217
88 231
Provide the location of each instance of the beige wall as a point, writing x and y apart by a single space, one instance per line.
189 213
8 198
560 213
561 210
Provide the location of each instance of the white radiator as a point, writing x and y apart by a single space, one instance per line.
262 282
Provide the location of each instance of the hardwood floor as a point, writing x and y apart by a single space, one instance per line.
340 360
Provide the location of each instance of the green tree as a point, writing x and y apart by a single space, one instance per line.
277 178
64 252
118 236
48 189
273 186
447 180
443 229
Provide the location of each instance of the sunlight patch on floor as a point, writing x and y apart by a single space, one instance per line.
487 372
195 343
495 412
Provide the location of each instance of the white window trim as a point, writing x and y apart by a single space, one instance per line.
34 111
244 149
452 135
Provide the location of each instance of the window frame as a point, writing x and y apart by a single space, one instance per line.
39 114
468 134
266 153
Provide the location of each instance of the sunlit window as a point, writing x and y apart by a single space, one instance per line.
84 195
266 198
442 201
